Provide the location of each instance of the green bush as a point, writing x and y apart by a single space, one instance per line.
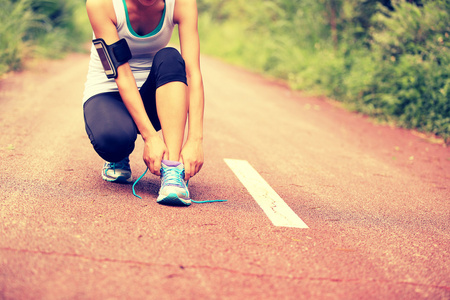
16 18
47 28
392 64
64 26
412 84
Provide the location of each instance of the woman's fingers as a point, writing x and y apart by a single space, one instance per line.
191 169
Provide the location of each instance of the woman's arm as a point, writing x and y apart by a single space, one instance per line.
186 16
102 17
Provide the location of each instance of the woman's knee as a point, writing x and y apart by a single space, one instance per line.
169 65
168 55
113 146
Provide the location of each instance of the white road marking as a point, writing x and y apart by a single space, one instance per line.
275 208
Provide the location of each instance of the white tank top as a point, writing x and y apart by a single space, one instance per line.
143 49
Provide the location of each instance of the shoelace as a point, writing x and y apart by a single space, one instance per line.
173 176
118 165
110 166
194 201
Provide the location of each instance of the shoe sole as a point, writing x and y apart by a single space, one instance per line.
173 200
120 179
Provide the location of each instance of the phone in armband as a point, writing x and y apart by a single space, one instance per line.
105 59
112 56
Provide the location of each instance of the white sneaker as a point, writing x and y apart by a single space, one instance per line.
119 172
174 189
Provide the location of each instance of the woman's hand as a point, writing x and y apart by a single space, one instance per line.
154 151
192 158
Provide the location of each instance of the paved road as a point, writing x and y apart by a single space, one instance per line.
375 199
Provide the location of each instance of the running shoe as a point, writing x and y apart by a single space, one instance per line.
173 189
119 172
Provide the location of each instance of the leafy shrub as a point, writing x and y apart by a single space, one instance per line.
387 59
46 28
412 85
16 18
63 26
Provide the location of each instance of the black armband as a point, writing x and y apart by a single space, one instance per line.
112 56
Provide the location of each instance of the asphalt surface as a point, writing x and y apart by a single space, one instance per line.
375 199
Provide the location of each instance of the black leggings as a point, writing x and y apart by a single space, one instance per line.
109 125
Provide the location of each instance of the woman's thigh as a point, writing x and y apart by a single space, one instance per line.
110 126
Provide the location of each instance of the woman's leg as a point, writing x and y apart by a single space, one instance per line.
172 112
165 92
164 95
109 126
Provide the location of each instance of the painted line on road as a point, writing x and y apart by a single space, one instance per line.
271 203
